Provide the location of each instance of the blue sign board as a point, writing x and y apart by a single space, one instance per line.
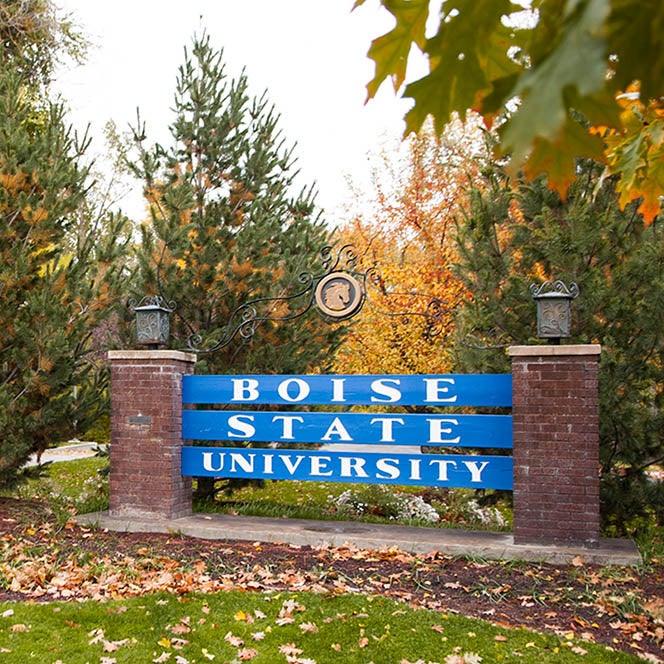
338 425
442 470
341 390
451 430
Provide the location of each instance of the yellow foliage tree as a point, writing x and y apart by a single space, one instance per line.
406 248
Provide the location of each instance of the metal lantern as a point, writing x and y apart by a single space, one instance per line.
152 321
554 309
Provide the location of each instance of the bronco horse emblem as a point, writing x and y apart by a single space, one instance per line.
339 295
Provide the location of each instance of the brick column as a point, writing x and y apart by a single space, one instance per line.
146 416
556 444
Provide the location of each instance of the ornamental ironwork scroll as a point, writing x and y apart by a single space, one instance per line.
338 293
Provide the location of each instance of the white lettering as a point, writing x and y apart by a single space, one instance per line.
338 389
352 464
319 465
290 466
436 431
415 469
242 426
207 462
475 472
267 464
336 429
434 390
302 393
385 469
386 435
381 388
287 420
245 463
442 468
244 389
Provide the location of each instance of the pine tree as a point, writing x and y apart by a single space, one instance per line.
511 239
225 228
54 288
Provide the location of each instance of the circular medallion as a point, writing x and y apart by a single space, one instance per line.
339 295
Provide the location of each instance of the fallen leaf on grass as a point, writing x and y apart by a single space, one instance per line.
19 627
113 646
246 654
235 641
290 649
164 657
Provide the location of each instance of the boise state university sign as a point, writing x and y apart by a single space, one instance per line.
244 423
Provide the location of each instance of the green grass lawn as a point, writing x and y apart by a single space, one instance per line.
266 628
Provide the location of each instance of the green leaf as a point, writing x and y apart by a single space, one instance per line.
557 158
390 51
470 48
578 61
599 109
445 89
636 34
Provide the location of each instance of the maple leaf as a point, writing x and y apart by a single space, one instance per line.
567 57
557 158
246 654
466 53
235 641
180 628
290 649
637 154
577 62
164 657
390 51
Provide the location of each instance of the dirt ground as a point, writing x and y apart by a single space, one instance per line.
622 607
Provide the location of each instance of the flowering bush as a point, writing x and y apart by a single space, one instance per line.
450 506
461 509
380 500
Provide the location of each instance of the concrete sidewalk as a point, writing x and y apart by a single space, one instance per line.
69 452
300 532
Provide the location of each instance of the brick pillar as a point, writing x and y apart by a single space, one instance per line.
146 437
556 444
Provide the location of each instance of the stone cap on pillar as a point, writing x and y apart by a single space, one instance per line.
151 355
554 350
